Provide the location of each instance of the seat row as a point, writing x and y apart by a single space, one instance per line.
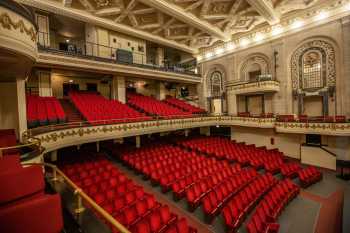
309 176
127 202
222 148
290 170
155 107
44 111
184 105
238 208
94 108
264 218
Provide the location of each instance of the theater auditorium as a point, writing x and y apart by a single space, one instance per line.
174 116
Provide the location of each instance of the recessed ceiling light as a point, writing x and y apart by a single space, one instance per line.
297 24
230 46
244 42
208 55
322 15
219 50
259 37
67 40
278 29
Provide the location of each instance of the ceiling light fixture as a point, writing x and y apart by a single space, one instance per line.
244 42
297 24
322 15
258 37
208 55
230 46
219 51
276 30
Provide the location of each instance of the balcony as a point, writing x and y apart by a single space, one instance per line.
122 60
262 84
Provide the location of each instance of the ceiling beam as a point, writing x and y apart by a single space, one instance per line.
108 11
179 13
266 10
80 15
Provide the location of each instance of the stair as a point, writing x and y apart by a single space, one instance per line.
73 115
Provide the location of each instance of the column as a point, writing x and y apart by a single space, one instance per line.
160 56
21 107
345 93
138 141
119 89
98 146
231 103
54 156
44 78
160 91
205 130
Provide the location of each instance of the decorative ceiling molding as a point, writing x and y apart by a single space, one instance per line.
266 10
187 25
180 14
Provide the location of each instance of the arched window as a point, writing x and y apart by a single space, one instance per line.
311 70
216 84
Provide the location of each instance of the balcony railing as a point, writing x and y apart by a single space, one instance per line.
103 53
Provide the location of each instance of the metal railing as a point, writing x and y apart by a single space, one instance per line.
258 79
81 196
104 53
31 143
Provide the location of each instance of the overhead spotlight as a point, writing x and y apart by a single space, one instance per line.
67 40
258 37
322 15
219 51
244 42
230 46
208 55
70 81
276 30
347 6
297 24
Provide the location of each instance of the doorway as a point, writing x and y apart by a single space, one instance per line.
68 87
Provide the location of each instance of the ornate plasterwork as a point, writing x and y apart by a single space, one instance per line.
246 88
260 60
203 22
326 49
8 23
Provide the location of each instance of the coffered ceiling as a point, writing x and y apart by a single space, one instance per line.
186 24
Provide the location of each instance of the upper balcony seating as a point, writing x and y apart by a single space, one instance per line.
309 176
242 203
8 139
44 111
184 105
121 197
285 118
264 218
155 107
94 107
222 148
324 119
23 201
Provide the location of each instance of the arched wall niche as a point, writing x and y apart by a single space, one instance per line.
215 81
254 65
313 76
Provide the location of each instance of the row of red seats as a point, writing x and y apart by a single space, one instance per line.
309 176
94 108
290 170
237 208
44 111
119 196
155 107
264 218
221 194
184 105
228 179
328 119
222 148
23 201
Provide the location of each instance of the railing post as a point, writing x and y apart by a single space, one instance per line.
79 207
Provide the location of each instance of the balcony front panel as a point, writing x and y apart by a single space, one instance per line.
332 129
97 64
254 87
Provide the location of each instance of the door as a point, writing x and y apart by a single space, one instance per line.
67 87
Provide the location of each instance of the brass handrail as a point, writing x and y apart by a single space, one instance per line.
34 142
81 195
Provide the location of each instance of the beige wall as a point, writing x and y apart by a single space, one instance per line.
57 81
282 102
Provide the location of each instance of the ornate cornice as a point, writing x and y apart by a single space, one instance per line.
9 24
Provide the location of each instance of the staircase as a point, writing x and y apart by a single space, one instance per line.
72 113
